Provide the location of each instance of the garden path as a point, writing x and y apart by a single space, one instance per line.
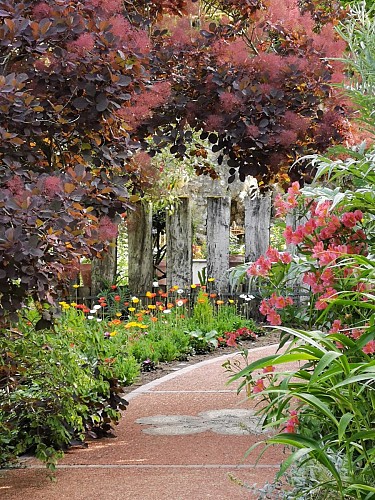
183 437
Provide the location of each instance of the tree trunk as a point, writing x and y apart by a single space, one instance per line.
257 226
140 249
103 271
218 221
179 245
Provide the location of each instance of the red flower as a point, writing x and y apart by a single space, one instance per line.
117 298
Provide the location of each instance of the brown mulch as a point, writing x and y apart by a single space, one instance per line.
164 368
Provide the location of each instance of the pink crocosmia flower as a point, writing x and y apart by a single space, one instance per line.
327 276
290 429
369 348
317 250
273 318
358 214
260 267
310 226
264 307
294 188
339 345
273 255
349 220
279 302
268 369
258 387
285 257
336 326
322 301
357 333
294 417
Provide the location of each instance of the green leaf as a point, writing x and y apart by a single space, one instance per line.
343 424
302 442
323 363
318 404
293 458
272 360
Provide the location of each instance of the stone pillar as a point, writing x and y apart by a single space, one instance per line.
218 222
179 236
257 226
140 249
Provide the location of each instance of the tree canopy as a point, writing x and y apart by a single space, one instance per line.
84 85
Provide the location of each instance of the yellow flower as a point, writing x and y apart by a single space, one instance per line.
151 306
62 303
193 286
75 286
131 309
231 301
118 314
135 324
135 300
73 304
210 280
175 287
149 295
112 334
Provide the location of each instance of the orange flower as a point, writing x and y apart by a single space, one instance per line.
201 301
213 295
220 302
170 305
154 319
115 322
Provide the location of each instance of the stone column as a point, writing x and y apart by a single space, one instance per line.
257 226
140 249
179 235
218 222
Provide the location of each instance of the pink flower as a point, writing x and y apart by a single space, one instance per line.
260 267
273 318
369 348
349 220
336 326
264 307
268 369
285 257
273 255
258 387
322 301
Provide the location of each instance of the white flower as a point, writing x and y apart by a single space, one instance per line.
93 311
246 297
166 311
180 291
98 320
90 317
180 303
155 284
97 306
